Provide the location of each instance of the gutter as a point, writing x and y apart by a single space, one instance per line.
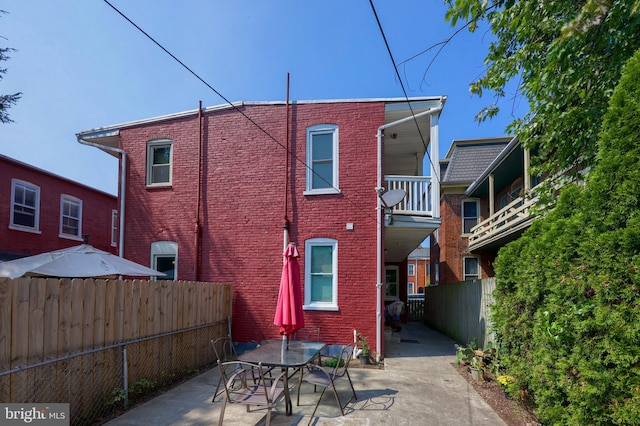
123 167
435 194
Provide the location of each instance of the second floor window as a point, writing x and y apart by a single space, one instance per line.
70 216
322 159
470 215
411 269
159 162
25 206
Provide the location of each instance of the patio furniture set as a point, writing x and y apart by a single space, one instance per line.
261 376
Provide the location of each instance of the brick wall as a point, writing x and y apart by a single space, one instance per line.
243 208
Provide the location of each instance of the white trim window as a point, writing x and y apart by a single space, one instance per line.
164 258
159 162
411 269
321 274
470 268
322 159
114 227
25 206
411 288
70 217
470 215
391 283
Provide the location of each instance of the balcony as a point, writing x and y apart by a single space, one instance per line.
504 226
408 223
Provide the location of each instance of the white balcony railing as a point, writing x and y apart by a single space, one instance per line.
512 217
417 201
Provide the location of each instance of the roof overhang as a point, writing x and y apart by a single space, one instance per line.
506 168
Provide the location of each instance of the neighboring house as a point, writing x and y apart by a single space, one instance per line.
418 270
451 258
41 212
213 194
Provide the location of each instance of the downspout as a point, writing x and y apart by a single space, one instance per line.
435 194
198 227
123 168
286 174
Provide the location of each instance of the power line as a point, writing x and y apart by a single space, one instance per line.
236 108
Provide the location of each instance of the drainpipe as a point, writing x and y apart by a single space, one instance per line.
435 200
123 167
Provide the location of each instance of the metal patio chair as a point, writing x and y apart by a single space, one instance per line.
239 387
327 377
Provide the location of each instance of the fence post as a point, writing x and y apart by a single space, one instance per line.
125 376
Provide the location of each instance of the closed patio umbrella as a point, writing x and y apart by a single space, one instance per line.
289 314
83 261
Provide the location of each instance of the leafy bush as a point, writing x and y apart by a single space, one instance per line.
567 305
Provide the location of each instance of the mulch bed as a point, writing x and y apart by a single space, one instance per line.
513 412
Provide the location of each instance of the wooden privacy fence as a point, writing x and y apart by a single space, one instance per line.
78 340
462 310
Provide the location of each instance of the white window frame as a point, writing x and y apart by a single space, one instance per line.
161 249
411 269
411 287
322 129
65 200
114 227
36 220
151 146
464 218
467 277
388 296
308 249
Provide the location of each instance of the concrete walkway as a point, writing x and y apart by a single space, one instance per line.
418 386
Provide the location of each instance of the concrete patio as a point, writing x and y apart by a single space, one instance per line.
417 385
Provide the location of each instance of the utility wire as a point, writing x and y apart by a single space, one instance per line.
236 108
395 68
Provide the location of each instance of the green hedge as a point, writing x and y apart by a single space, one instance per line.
567 305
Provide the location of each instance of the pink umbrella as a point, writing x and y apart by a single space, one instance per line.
289 315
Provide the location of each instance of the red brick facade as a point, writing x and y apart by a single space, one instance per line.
451 248
242 207
97 208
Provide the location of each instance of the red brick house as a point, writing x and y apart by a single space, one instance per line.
208 194
486 202
41 212
418 270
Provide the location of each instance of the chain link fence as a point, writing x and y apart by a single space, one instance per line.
101 383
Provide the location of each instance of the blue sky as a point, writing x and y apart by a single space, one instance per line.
80 66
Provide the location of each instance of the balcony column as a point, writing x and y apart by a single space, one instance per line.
527 176
435 163
492 195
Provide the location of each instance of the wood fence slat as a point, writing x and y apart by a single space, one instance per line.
6 303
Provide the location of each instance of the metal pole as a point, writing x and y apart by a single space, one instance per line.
125 374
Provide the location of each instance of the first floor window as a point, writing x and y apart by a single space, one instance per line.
25 206
164 258
392 283
159 159
70 216
114 227
321 274
471 266
410 288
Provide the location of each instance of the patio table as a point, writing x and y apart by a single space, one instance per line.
295 354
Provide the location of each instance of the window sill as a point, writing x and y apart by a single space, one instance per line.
160 186
326 191
70 237
25 229
326 307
